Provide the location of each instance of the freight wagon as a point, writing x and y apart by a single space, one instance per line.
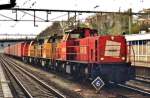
15 49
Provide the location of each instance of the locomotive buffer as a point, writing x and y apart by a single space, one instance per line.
98 83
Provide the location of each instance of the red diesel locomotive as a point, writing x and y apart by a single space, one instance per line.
83 54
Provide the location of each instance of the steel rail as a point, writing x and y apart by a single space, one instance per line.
143 77
134 89
120 85
28 95
143 80
55 92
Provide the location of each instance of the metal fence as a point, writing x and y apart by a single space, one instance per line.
140 49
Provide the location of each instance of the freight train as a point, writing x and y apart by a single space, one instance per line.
81 53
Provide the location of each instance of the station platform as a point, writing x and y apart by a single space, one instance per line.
141 64
5 91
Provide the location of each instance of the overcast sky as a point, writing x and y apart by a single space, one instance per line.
102 5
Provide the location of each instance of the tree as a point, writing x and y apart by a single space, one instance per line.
135 28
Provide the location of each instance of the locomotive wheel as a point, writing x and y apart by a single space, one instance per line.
63 68
50 65
56 67
43 63
77 72
30 60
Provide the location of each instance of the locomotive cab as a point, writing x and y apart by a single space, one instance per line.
112 61
70 45
38 47
79 33
25 51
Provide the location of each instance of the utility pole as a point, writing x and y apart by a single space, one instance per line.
130 20
97 15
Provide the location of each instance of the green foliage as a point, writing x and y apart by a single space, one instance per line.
55 28
83 25
135 28
94 25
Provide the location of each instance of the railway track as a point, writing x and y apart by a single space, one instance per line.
142 79
41 75
15 87
31 86
131 92
137 85
144 92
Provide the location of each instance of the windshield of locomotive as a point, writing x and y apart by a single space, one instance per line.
74 35
112 48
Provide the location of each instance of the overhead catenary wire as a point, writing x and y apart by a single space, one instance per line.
26 2
6 17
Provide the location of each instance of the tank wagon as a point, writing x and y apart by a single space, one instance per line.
83 54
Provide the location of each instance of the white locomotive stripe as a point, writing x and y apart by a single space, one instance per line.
112 48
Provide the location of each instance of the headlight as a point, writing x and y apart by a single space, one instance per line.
123 58
112 37
102 58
